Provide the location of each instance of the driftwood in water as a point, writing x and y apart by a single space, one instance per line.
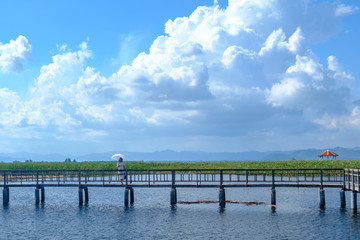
248 203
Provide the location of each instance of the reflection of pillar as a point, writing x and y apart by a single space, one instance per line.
222 198
353 200
342 199
273 196
321 198
173 196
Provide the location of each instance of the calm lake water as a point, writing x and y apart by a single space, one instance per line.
297 215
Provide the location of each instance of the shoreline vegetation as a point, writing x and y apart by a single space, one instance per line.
152 165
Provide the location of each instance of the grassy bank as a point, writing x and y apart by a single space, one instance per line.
184 165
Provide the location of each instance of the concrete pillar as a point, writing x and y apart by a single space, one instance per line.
273 196
81 200
342 198
6 193
86 193
37 195
222 198
173 196
132 199
42 194
321 198
126 197
353 200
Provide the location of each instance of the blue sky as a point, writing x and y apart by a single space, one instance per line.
87 76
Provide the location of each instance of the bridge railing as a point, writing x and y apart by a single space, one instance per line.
198 177
352 179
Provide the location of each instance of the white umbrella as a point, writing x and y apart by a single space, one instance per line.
117 156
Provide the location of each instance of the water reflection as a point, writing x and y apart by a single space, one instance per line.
273 210
221 209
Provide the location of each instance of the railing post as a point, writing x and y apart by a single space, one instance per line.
103 177
79 177
353 179
126 177
321 179
5 176
247 177
37 178
358 189
297 176
197 178
221 179
344 179
273 179
173 178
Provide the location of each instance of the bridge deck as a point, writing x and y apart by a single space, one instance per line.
348 179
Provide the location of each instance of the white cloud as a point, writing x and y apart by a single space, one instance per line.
12 54
219 73
343 10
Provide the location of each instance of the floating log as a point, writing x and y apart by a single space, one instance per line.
248 203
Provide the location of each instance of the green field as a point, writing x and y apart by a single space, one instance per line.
295 164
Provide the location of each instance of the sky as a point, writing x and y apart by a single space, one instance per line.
81 77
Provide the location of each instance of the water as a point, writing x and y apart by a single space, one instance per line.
297 215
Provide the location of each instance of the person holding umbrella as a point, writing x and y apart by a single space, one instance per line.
120 166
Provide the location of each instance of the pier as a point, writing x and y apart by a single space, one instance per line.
343 179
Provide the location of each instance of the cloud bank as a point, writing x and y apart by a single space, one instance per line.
224 79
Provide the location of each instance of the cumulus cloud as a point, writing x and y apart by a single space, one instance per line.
12 54
227 73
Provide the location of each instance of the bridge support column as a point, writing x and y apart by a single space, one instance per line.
126 196
42 194
81 199
86 195
37 195
222 198
321 198
353 200
342 198
6 194
173 196
132 198
273 196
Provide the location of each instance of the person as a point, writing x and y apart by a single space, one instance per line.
121 169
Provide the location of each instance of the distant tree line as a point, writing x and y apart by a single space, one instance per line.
69 160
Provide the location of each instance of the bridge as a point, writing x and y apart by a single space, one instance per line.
344 179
